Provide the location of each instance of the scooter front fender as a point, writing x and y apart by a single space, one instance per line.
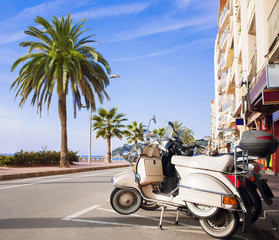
125 179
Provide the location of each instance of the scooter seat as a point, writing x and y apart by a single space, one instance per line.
221 164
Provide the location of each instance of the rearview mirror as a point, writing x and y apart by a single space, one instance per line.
171 124
154 119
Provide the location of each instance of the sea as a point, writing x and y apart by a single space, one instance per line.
82 156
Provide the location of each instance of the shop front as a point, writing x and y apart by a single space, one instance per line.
263 106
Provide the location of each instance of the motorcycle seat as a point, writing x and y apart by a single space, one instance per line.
221 164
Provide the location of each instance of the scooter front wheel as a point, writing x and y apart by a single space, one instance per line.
223 225
125 200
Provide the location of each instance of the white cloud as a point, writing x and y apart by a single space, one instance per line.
45 10
185 48
7 78
10 28
182 4
164 25
8 38
112 11
27 15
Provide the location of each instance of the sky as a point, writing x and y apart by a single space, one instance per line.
163 51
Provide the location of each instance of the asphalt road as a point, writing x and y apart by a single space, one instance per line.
76 206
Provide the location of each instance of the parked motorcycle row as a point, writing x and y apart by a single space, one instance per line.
219 191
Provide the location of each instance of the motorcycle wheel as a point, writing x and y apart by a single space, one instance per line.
125 200
256 202
223 225
202 211
147 205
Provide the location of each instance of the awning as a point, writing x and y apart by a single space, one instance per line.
270 96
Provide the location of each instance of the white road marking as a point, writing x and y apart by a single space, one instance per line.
74 218
80 213
54 180
34 183
134 225
149 218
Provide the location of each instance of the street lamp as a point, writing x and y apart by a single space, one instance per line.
90 124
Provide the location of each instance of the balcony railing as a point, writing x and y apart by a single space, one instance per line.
253 71
273 25
224 36
223 86
223 15
226 106
222 62
250 9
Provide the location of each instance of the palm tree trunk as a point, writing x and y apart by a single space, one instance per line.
64 158
108 149
136 144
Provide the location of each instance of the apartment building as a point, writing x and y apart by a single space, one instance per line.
246 72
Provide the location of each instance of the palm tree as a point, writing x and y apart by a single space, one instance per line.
134 132
159 131
189 138
109 124
63 61
189 134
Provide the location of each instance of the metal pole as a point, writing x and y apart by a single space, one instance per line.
90 134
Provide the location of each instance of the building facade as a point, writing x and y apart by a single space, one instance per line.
246 64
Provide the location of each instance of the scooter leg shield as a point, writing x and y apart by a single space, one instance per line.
125 179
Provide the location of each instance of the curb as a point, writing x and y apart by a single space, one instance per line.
55 172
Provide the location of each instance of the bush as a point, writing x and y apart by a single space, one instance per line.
44 157
7 160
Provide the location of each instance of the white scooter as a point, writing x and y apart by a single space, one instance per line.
204 187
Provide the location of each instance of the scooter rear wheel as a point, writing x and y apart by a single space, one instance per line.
125 200
223 225
256 200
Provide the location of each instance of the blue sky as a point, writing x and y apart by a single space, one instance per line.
162 49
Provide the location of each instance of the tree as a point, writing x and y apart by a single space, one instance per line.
189 138
108 124
159 131
189 134
134 132
62 60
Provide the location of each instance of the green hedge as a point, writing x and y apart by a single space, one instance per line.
44 157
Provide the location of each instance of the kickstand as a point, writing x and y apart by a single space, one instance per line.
177 216
161 219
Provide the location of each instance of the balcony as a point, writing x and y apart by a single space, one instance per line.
224 37
229 54
226 107
223 64
272 33
224 17
230 86
251 17
253 71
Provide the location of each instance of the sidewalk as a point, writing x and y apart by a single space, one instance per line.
8 173
271 212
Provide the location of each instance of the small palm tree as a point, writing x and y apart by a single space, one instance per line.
189 138
62 61
134 132
159 131
108 124
189 134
